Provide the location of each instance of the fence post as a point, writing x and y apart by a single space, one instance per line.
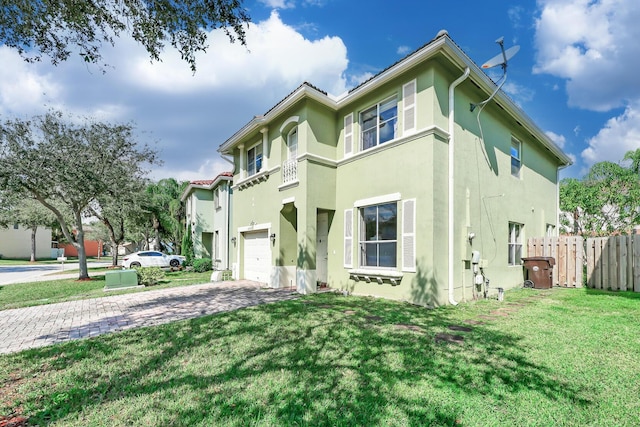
622 270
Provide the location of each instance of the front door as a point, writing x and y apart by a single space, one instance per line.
322 248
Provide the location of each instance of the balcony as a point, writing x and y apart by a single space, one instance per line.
290 171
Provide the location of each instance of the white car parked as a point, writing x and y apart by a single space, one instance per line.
151 259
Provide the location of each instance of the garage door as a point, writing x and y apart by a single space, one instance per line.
257 256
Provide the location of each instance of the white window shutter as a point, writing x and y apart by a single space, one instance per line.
348 238
409 235
409 108
348 135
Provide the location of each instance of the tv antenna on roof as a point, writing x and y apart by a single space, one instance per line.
501 59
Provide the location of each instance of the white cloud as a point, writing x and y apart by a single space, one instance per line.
188 115
593 45
279 4
276 56
619 135
520 94
403 50
22 89
559 140
515 16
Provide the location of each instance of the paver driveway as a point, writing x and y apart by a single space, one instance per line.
30 327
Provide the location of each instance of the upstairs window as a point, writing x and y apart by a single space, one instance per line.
379 123
379 235
292 144
254 160
515 243
216 197
516 157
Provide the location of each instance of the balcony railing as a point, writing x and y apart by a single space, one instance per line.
290 171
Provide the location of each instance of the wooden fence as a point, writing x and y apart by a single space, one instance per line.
614 263
568 252
611 262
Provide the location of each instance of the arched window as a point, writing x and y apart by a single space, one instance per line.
292 143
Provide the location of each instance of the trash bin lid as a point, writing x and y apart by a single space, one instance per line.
551 260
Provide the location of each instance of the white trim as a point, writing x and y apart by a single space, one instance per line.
288 185
431 130
292 119
255 227
378 200
318 159
288 200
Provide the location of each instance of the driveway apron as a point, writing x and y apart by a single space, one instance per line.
43 325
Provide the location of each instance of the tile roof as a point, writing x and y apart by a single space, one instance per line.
211 181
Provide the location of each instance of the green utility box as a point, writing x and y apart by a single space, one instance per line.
120 279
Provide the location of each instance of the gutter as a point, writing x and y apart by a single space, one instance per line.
452 88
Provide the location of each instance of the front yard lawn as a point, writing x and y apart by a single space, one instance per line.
49 292
540 358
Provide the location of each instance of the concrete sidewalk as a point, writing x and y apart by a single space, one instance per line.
43 325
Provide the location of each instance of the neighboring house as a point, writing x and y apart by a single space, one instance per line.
389 190
208 205
15 242
92 248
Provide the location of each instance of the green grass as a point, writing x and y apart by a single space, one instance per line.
39 293
541 358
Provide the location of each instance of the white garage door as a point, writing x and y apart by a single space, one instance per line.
257 256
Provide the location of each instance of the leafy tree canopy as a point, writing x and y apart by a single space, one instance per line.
606 200
68 166
52 28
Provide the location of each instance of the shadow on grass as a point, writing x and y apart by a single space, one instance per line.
321 360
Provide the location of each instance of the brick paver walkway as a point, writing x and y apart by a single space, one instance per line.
43 325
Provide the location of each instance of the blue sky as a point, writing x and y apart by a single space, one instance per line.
575 74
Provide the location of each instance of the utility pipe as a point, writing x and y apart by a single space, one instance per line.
452 88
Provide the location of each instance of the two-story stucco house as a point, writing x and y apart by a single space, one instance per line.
395 189
208 211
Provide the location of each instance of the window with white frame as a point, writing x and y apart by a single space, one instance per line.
516 157
379 123
216 197
254 160
292 144
515 243
378 235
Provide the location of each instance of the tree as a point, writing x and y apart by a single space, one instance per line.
187 246
607 199
114 212
67 166
54 27
167 212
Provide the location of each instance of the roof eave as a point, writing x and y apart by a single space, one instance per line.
211 186
304 91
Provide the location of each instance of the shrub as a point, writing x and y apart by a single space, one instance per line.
148 276
187 247
202 264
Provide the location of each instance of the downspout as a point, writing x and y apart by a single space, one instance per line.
452 88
